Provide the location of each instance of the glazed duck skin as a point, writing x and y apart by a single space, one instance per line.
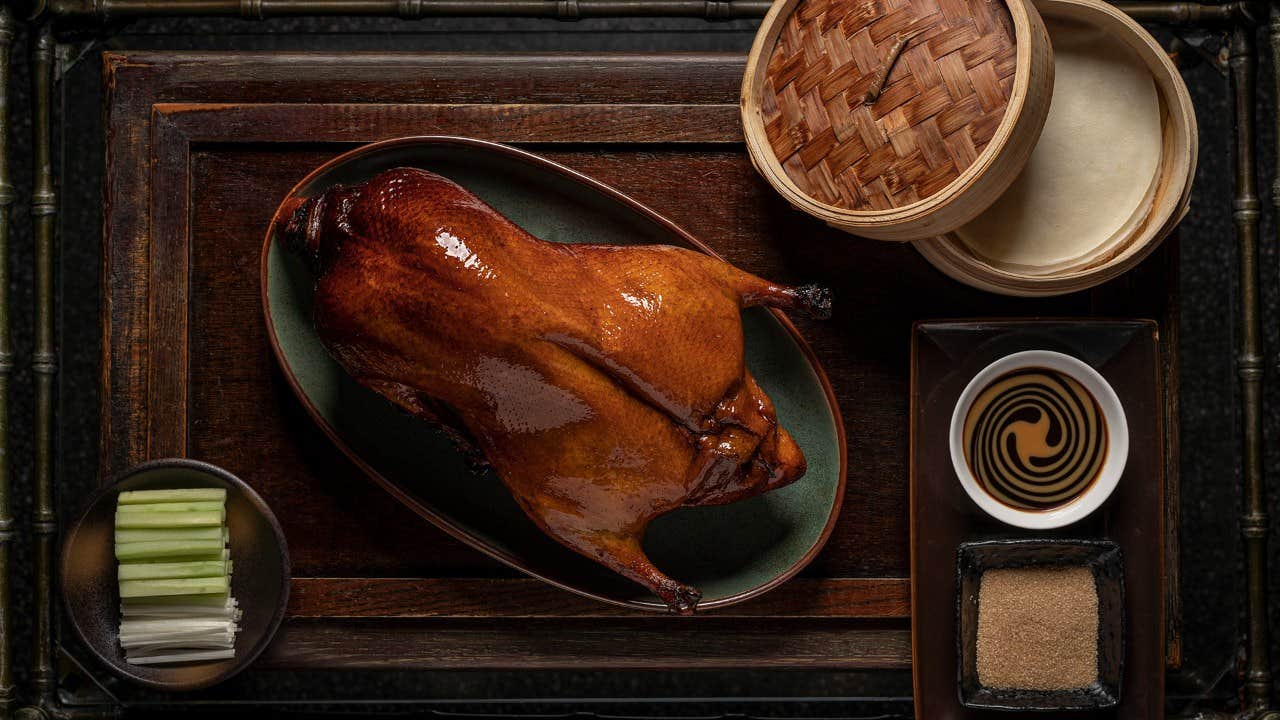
604 384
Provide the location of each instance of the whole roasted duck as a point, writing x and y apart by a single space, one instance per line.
604 384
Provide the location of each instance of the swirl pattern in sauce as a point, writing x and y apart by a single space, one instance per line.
1035 439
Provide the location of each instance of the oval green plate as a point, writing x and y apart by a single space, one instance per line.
731 553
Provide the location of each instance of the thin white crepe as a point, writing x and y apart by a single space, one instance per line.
1092 177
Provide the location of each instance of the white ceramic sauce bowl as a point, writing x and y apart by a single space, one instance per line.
1112 466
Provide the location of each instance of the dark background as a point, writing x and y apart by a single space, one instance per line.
1212 571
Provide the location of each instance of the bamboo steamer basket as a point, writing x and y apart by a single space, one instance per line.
1172 198
959 114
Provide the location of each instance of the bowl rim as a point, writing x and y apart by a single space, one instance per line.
241 661
1117 440
427 512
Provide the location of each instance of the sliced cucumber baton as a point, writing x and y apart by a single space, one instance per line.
204 518
170 549
173 586
136 497
201 506
188 533
161 571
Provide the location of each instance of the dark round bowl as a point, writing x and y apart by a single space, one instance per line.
260 580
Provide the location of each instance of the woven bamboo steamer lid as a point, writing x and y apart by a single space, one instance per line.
1179 149
959 113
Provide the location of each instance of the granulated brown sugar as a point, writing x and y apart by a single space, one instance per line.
1037 628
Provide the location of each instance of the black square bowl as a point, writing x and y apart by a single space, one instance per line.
1104 559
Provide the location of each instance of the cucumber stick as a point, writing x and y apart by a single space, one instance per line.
138 520
137 497
183 554
173 586
213 600
161 571
170 550
153 534
200 506
159 612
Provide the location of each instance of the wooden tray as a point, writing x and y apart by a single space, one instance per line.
201 148
944 357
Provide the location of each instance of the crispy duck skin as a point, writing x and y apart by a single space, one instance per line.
604 384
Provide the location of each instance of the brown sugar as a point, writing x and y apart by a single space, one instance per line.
1037 628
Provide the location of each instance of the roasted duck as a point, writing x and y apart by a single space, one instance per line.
604 384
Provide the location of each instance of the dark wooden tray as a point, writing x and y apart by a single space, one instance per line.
944 357
202 147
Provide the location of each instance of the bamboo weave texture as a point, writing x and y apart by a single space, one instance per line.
940 106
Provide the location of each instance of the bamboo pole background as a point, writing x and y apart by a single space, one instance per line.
98 11
1250 366
7 691
44 366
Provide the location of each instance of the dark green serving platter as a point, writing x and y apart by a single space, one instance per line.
731 553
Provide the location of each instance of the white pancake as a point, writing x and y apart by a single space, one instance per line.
1092 176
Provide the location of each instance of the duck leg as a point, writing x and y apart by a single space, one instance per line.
813 300
621 552
626 557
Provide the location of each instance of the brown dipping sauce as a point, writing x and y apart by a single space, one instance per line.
1035 439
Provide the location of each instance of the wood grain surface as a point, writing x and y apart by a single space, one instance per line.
201 148
707 644
453 597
